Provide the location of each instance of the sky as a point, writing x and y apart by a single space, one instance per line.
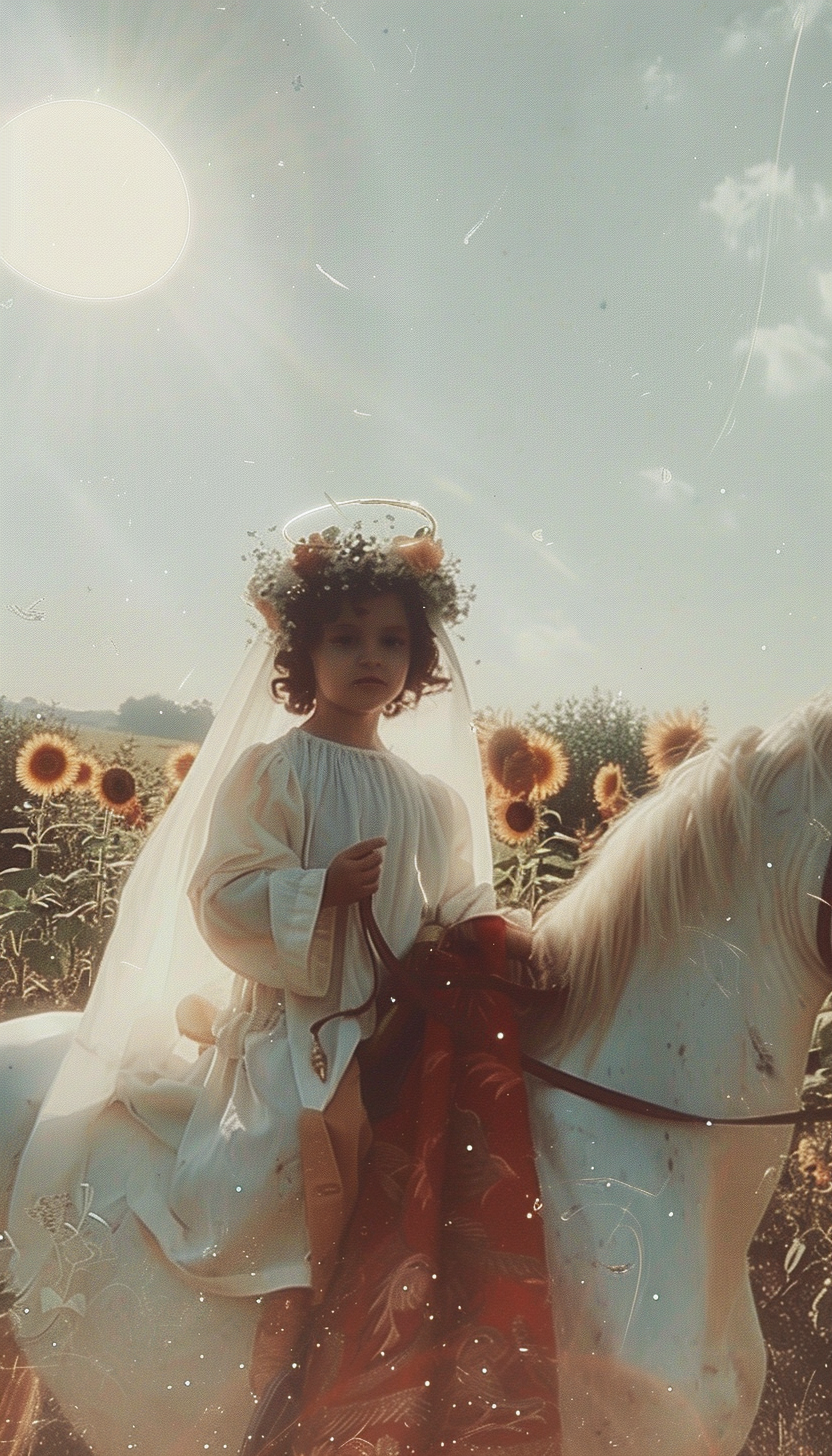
562 274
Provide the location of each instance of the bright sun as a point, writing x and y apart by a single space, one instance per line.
93 204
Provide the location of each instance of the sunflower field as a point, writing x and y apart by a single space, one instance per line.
556 780
72 824
72 821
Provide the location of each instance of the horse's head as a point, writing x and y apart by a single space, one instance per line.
746 823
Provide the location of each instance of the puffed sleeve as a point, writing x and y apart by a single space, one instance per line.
462 896
255 904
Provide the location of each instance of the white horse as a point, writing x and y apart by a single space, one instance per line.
692 947
696 976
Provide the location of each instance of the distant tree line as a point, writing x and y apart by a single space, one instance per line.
152 716
160 717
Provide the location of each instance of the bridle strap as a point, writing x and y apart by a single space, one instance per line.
553 1076
642 1107
439 975
824 928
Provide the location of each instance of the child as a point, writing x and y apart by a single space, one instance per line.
303 829
240 927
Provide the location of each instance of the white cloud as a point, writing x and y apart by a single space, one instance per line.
544 640
757 32
778 23
666 486
824 282
820 208
737 204
793 357
659 83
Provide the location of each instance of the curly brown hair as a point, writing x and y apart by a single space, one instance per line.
294 682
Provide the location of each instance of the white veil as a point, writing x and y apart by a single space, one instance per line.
156 955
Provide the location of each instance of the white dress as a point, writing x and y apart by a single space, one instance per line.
222 1190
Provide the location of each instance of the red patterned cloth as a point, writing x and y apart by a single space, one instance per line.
436 1335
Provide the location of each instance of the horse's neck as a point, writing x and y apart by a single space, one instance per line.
719 1025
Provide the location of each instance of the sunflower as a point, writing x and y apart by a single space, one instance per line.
46 764
116 790
522 763
499 741
671 739
86 775
609 791
515 821
550 761
179 762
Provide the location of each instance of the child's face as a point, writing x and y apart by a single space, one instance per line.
362 661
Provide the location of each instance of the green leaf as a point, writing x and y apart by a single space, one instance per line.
44 957
83 934
87 937
79 909
56 879
10 900
16 922
17 879
78 933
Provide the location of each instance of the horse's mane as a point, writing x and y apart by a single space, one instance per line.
668 860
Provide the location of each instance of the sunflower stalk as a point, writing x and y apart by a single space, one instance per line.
99 887
528 874
56 915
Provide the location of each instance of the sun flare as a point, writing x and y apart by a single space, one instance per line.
96 206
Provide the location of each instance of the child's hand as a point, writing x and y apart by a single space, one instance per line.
354 874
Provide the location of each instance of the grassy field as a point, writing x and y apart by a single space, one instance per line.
106 742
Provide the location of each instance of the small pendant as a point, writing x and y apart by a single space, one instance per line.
320 1065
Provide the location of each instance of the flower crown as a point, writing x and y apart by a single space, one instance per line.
334 561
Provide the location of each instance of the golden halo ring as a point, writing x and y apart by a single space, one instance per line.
361 501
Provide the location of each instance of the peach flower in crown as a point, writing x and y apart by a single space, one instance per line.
309 556
422 554
268 611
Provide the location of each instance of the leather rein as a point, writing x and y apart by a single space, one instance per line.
527 996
